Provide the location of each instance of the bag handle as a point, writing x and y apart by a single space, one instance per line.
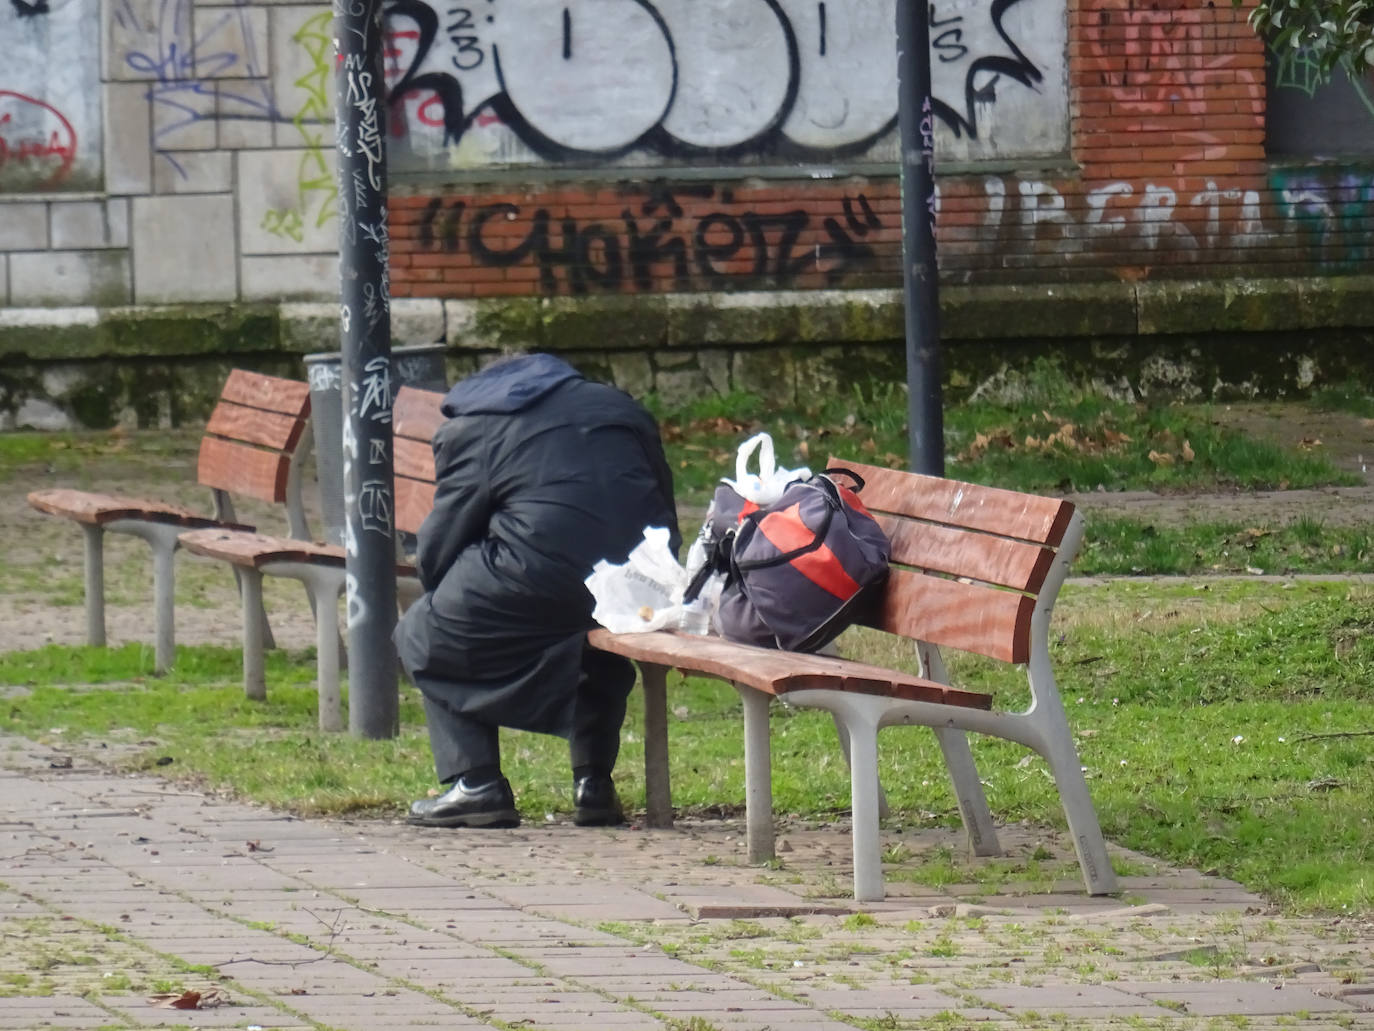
768 463
858 480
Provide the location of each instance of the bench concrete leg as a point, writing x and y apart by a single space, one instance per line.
327 651
658 793
95 584
164 600
859 716
1098 875
968 790
843 734
254 638
758 775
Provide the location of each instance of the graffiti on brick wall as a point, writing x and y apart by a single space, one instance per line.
1328 211
1154 217
1168 60
718 78
1322 212
658 241
212 69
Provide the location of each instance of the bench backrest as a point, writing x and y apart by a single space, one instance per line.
968 562
253 434
415 417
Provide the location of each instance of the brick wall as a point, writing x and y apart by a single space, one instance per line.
1168 178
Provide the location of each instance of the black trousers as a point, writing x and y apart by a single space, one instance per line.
461 743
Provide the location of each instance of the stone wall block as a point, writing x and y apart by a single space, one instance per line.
679 386
146 40
194 171
88 224
128 139
24 226
632 372
70 278
287 202
231 42
246 115
294 277
771 374
184 117
416 321
302 70
183 249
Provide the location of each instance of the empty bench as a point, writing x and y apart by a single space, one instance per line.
254 444
322 567
975 569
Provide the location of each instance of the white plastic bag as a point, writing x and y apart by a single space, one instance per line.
646 592
765 486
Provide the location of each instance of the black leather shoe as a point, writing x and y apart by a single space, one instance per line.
487 805
595 803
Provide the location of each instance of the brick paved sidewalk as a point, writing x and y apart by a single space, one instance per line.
119 894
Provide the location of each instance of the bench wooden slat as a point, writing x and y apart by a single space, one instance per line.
241 469
416 414
413 459
414 499
268 393
254 426
988 509
100 509
256 550
970 617
979 556
778 672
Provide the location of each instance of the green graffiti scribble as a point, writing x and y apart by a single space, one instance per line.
284 222
317 190
1296 70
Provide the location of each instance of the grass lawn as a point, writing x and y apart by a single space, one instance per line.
1223 726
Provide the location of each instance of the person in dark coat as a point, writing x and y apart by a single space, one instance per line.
540 474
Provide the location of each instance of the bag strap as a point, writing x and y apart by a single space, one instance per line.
832 505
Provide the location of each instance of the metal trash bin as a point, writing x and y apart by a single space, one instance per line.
414 365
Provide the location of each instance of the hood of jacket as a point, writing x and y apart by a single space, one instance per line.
508 386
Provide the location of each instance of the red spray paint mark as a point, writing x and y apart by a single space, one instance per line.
35 131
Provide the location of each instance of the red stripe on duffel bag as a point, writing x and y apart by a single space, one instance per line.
786 532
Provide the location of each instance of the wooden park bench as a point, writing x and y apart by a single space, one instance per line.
322 567
254 444
973 568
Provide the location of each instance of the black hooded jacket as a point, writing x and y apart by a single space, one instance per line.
540 474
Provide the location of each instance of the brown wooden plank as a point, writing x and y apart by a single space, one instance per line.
270 393
776 671
416 415
966 616
241 469
413 458
100 509
414 499
978 556
254 426
257 549
1009 513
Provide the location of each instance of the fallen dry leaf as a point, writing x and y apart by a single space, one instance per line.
1188 453
1160 459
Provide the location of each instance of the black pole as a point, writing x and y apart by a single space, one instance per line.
369 494
920 274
